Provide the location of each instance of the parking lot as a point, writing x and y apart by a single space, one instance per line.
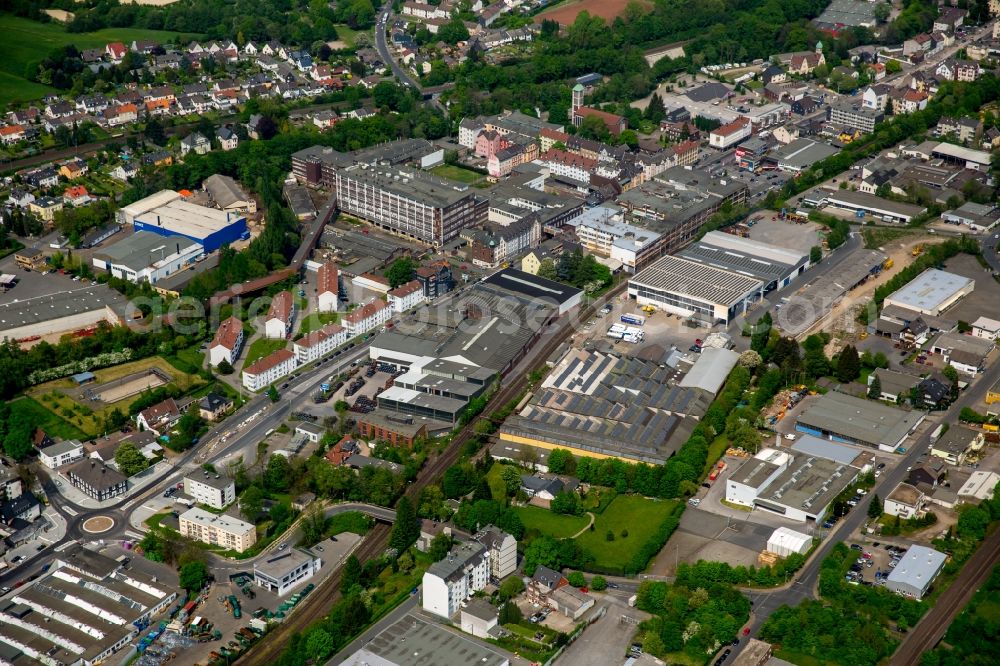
661 330
875 561
606 641
34 284
799 237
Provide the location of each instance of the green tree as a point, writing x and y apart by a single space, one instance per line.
440 545
193 576
511 587
576 579
130 460
154 131
510 614
567 503
656 110
252 503
950 373
815 254
598 583
405 529
848 364
273 394
875 388
561 461
875 508
400 271
319 644
224 368
511 477
547 269
351 575
277 475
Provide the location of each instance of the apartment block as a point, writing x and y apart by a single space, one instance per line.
224 531
211 490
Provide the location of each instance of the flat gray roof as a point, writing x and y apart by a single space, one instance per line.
930 290
918 567
280 565
411 641
214 480
802 153
824 448
17 313
411 184
895 383
711 369
858 419
143 249
809 484
690 278
863 200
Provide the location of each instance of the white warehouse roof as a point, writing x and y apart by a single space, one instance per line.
931 291
784 541
709 372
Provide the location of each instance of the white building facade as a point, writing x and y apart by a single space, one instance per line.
268 370
319 343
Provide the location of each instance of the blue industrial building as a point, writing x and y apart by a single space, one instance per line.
208 227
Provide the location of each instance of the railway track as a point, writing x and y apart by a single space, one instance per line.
327 593
932 628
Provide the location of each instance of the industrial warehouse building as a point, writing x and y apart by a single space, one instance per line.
932 292
166 213
607 406
799 487
844 418
82 611
281 572
862 203
147 257
775 266
917 569
412 640
691 289
801 154
62 312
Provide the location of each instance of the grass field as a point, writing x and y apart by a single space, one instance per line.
318 320
640 516
349 36
553 524
26 41
261 347
876 238
55 397
457 173
56 426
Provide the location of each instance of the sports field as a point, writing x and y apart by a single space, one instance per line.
26 41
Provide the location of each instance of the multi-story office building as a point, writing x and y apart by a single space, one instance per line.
97 480
225 531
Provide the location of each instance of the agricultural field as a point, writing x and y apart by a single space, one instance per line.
26 41
566 12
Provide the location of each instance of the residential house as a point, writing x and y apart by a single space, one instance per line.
116 51
227 138
933 394
73 169
97 480
406 296
502 548
957 444
453 580
875 97
56 454
160 417
196 143
46 208
367 317
281 314
268 370
227 342
905 501
544 582
125 171
986 328
25 507
435 279
11 134
214 406
77 195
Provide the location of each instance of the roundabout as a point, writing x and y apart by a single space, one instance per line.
98 524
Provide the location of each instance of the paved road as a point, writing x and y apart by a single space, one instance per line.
382 46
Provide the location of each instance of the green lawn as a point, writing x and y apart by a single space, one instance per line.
26 41
553 524
56 426
261 347
458 173
640 516
317 320
348 35
351 521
